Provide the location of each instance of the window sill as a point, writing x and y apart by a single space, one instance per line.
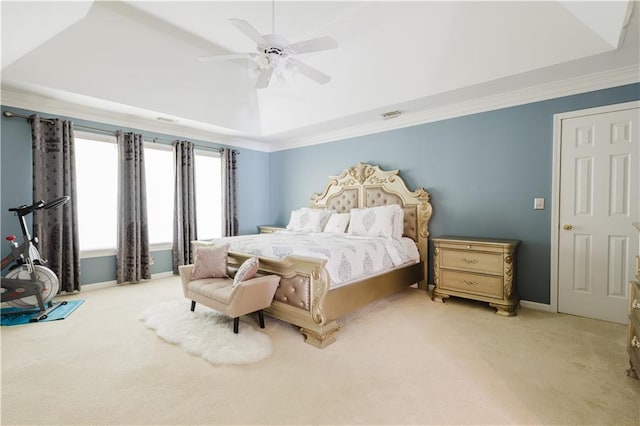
112 252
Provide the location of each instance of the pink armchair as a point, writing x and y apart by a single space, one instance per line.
220 294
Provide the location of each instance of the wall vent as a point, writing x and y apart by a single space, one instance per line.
391 114
165 119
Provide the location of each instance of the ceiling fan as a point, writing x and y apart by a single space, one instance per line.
276 55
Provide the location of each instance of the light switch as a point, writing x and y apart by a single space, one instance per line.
538 203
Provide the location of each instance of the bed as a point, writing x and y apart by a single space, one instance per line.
308 296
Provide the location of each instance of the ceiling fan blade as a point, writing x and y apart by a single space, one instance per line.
227 56
314 45
312 73
264 78
248 30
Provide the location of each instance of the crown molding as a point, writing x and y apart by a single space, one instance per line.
14 97
542 92
17 98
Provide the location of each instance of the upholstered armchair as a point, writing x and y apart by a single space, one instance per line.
231 299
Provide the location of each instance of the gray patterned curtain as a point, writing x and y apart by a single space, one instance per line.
184 206
133 234
54 177
230 182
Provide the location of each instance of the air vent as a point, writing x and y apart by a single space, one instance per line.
165 119
391 114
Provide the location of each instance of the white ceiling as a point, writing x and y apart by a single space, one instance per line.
129 63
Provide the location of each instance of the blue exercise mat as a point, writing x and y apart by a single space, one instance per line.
17 316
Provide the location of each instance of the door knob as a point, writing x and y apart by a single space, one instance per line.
567 227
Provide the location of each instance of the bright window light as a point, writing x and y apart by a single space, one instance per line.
158 165
208 176
96 185
97 192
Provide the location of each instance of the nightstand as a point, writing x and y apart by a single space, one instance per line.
476 268
268 229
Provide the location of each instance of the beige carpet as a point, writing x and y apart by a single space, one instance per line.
405 360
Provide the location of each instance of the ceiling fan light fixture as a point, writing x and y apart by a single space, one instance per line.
275 56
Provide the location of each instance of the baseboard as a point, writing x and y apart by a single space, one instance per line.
113 283
537 306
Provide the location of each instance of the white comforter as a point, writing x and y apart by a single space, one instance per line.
348 257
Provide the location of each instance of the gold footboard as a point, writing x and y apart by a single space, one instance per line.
301 295
304 299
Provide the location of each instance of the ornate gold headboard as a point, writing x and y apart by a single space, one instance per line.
365 185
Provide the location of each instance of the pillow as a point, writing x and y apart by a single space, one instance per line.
337 223
246 271
210 262
196 244
382 221
308 220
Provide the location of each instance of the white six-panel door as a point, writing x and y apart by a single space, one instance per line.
599 201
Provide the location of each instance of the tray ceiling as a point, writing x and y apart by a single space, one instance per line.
131 63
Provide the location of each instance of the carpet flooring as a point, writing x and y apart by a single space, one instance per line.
404 360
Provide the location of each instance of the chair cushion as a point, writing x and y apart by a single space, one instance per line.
246 271
210 262
219 290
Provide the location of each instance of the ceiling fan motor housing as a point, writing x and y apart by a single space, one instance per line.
277 45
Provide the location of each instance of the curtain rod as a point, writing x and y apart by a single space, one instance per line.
11 114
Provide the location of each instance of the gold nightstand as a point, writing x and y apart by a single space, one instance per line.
475 268
268 229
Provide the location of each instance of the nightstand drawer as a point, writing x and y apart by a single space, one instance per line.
633 344
472 261
483 285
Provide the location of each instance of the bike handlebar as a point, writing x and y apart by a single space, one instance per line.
25 210
57 202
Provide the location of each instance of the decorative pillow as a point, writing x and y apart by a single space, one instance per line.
246 271
337 223
381 221
308 220
210 262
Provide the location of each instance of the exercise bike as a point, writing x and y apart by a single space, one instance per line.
29 283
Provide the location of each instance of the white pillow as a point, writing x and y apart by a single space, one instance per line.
384 221
337 223
308 220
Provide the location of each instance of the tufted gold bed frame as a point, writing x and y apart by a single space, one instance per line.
304 298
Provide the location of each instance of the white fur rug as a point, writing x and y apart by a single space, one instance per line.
207 333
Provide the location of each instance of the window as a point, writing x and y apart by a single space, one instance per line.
158 168
208 177
97 193
96 186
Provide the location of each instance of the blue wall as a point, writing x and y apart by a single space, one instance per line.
482 171
16 175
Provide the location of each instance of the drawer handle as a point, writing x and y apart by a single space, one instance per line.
472 261
635 342
635 304
470 283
